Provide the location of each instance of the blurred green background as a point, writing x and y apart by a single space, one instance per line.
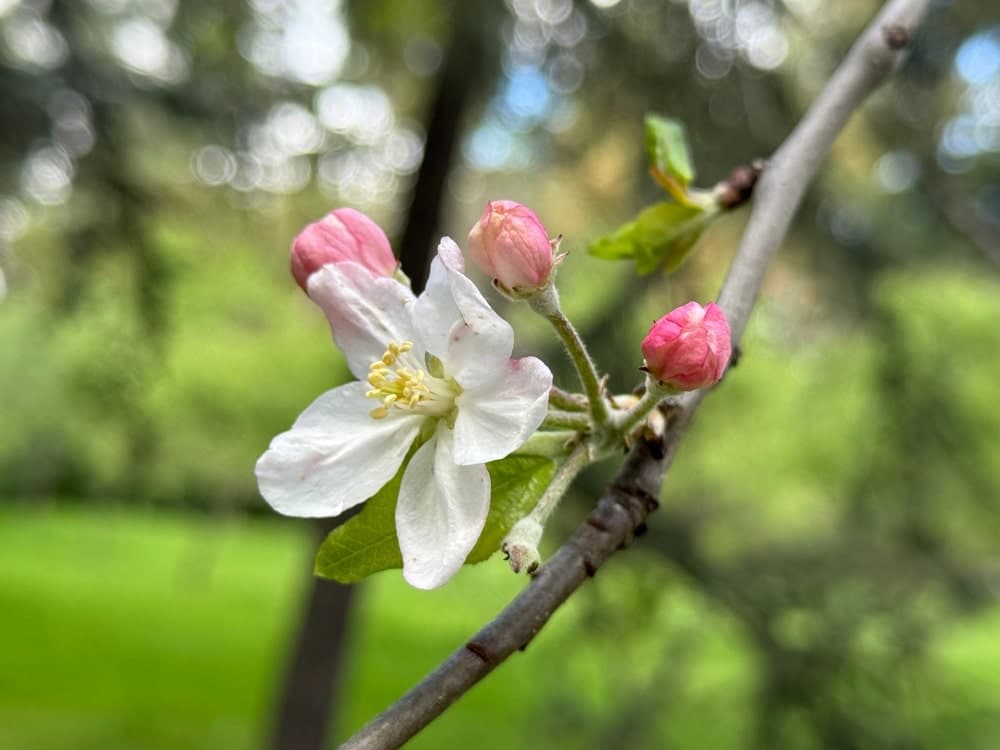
825 568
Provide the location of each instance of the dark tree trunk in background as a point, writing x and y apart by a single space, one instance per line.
461 67
313 684
314 680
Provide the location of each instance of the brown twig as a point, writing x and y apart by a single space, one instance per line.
622 511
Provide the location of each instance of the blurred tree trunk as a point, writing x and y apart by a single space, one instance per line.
460 69
313 684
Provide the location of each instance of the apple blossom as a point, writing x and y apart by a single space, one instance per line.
342 235
689 347
510 245
435 369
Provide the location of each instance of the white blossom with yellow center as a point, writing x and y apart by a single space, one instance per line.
436 365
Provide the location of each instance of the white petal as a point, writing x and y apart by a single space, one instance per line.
335 456
478 347
435 312
365 311
441 512
494 420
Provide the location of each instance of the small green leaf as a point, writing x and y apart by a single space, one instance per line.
367 543
617 246
667 148
661 236
518 483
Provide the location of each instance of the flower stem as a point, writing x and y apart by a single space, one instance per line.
565 400
561 480
556 444
573 420
626 421
546 304
521 543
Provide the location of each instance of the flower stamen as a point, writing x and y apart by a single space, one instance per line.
405 387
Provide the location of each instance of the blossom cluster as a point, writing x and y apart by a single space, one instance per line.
436 388
437 394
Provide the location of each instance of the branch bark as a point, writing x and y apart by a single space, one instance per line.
621 513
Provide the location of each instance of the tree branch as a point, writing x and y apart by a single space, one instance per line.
621 513
793 166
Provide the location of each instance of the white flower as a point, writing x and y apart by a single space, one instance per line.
438 365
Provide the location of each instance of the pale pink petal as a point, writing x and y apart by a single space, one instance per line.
480 346
497 418
365 312
335 456
435 312
441 512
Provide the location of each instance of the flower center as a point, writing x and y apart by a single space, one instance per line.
399 383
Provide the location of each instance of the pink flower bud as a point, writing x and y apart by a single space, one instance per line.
343 234
510 245
688 348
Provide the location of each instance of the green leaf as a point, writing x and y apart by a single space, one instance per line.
518 483
663 235
617 246
367 543
667 148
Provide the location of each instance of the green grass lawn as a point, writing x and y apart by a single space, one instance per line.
141 631
133 630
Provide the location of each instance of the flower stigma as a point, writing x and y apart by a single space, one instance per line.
398 382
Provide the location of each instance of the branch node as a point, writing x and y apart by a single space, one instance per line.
896 36
655 446
589 567
596 522
479 650
736 189
636 501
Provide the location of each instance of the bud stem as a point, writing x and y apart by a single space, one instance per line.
561 481
625 422
573 420
565 400
546 304
555 444
521 544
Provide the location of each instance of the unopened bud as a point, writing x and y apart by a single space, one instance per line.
521 545
688 348
510 245
342 235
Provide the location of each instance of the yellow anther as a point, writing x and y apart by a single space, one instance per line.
394 384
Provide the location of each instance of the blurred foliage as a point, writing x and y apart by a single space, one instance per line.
842 525
822 573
